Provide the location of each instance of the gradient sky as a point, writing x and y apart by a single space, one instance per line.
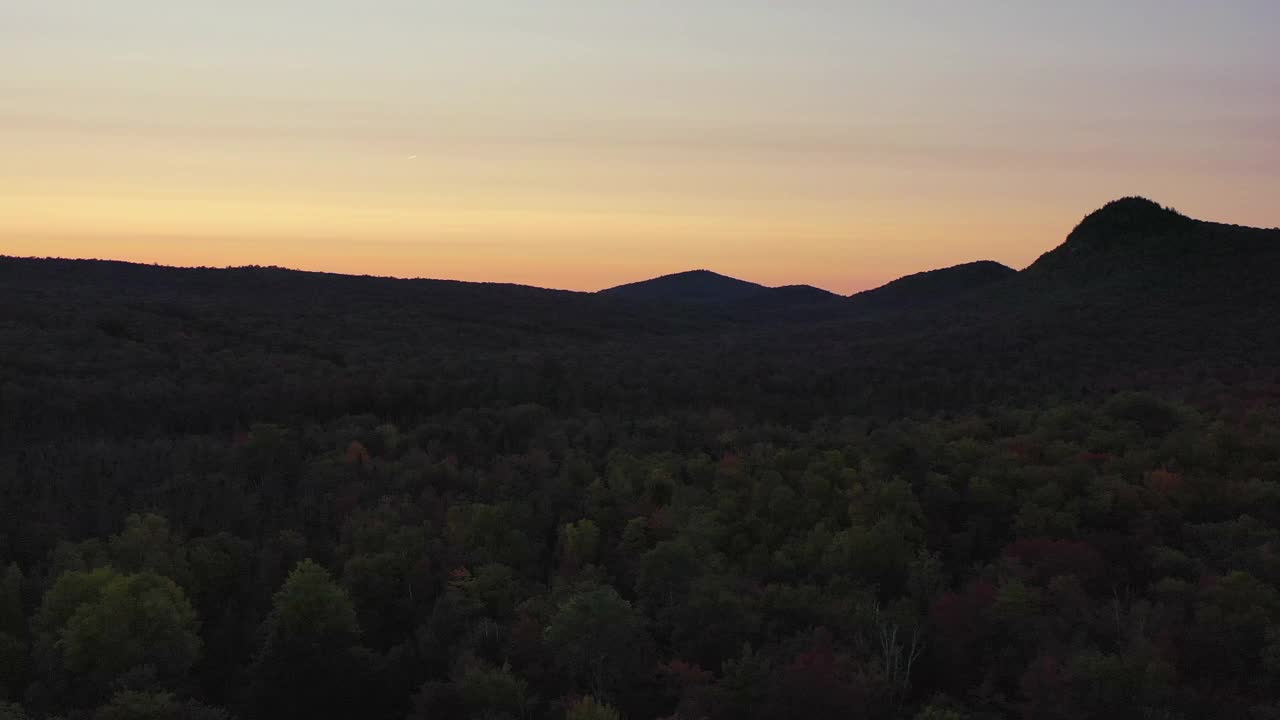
585 143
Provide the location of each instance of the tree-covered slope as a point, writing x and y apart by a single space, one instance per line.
933 286
262 493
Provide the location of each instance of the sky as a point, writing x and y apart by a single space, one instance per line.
581 144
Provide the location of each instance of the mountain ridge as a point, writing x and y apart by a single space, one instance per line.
1128 241
707 286
1134 245
924 288
1081 318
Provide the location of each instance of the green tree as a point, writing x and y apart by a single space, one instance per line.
12 617
588 708
308 665
580 541
13 665
595 635
494 587
939 712
311 610
492 693
383 568
146 543
744 683
220 565
13 633
1232 619
665 574
105 623
135 705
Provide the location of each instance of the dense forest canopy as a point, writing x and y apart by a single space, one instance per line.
976 493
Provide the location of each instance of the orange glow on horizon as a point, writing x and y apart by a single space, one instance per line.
553 146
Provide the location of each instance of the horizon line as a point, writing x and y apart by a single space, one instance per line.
421 278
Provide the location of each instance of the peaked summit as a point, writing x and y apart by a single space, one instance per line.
1136 236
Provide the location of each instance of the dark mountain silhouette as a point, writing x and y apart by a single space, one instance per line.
921 289
1136 250
704 286
1135 228
448 310
693 286
1125 224
1107 416
803 293
1135 292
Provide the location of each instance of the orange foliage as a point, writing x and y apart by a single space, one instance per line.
357 454
1163 481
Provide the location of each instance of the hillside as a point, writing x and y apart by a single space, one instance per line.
694 286
1053 491
802 294
732 299
933 286
1134 246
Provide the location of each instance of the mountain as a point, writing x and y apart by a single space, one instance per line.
706 287
1145 234
145 301
700 286
921 289
1108 415
1138 295
1134 248
800 294
1136 298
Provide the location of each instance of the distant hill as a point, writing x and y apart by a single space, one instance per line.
704 286
802 294
1109 416
691 286
921 289
142 301
1137 294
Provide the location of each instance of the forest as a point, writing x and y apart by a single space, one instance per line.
259 493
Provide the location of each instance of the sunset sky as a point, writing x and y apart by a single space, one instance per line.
584 143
